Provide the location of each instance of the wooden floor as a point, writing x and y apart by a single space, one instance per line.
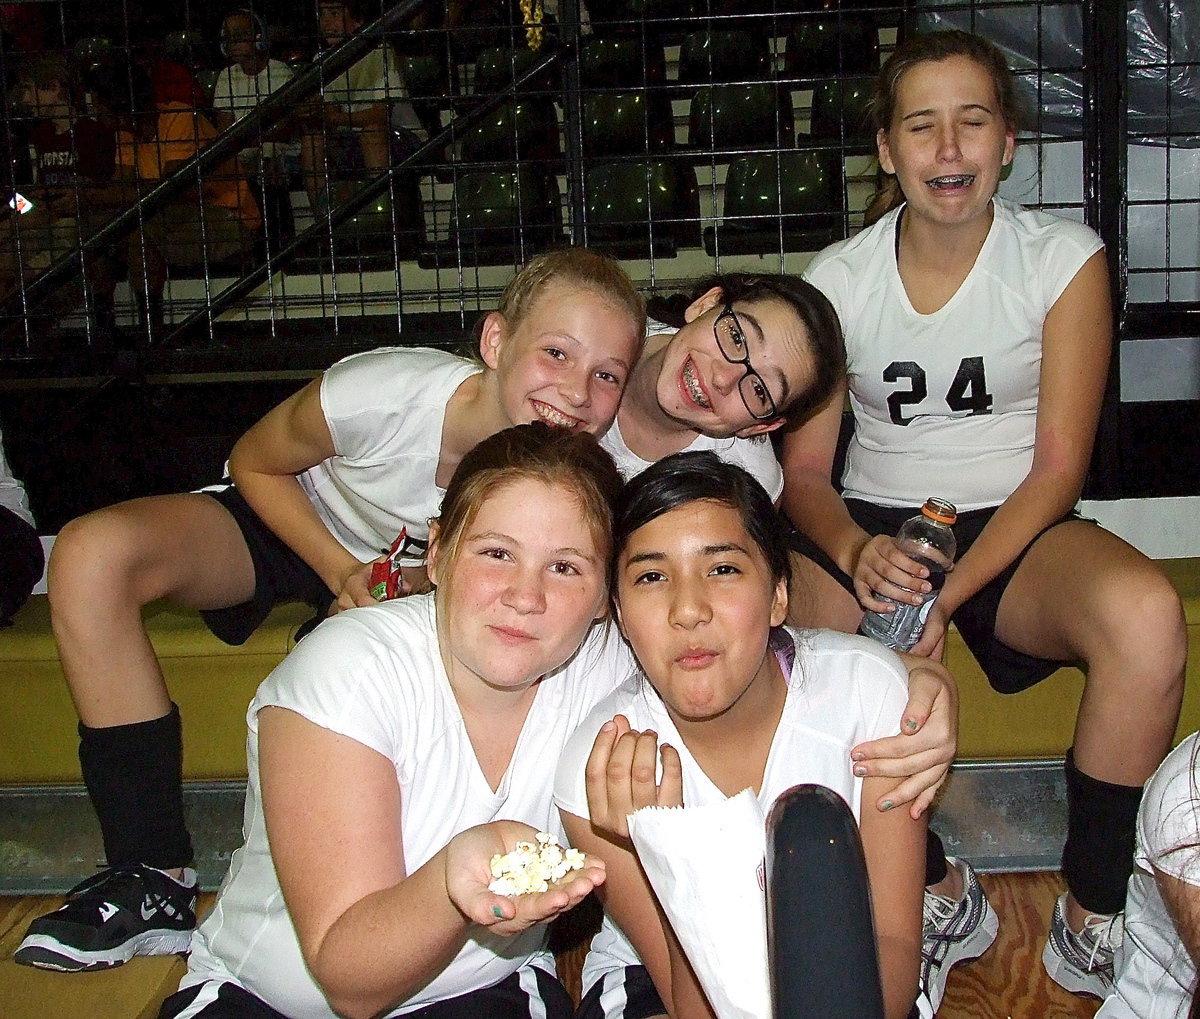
1006 983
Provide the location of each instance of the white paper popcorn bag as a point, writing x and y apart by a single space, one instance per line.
706 867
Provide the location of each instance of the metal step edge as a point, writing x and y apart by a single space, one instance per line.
1003 816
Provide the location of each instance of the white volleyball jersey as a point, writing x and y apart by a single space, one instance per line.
946 404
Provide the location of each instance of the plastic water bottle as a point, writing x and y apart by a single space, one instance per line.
926 538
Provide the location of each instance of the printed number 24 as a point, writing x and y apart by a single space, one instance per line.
968 392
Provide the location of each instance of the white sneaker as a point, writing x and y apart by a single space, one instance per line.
1083 963
954 931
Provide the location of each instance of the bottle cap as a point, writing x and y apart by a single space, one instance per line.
940 510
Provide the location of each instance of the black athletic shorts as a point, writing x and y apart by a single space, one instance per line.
279 575
622 994
531 993
1007 670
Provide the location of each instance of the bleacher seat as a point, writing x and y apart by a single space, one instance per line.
429 78
755 115
635 210
499 217
723 56
790 201
841 112
621 62
498 67
627 123
833 46
525 128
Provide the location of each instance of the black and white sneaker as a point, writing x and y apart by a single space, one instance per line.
111 917
954 931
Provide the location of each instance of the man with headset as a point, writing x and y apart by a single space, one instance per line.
250 77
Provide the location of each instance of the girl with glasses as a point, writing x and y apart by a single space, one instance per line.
978 336
751 353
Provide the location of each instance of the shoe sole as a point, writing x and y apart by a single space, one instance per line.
1069 978
45 952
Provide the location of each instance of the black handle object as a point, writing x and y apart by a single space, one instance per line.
819 929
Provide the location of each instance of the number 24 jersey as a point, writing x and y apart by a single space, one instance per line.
945 404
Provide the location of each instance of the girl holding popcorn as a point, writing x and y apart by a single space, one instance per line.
401 746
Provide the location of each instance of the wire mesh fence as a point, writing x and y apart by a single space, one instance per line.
394 164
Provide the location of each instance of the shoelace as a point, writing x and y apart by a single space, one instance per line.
1104 933
939 907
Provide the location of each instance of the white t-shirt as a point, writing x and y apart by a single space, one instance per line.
376 78
756 456
1154 972
842 691
237 93
946 404
385 410
12 492
375 675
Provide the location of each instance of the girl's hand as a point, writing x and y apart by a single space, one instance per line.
922 754
621 776
468 874
883 569
933 637
355 590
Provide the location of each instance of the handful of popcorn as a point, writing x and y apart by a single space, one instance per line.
532 868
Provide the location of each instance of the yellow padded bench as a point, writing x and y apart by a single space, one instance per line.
211 682
1039 722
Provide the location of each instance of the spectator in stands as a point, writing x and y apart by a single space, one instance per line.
1156 969
21 558
73 159
359 116
219 221
251 76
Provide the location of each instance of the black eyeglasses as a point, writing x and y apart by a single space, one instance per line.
731 341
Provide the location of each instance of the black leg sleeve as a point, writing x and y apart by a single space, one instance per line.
1098 855
935 858
134 775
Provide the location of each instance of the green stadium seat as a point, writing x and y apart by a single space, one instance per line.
833 46
723 56
618 61
640 210
498 67
627 123
523 129
499 217
841 112
790 201
756 115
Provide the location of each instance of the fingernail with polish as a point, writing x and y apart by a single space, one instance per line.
910 724
860 771
886 805
497 912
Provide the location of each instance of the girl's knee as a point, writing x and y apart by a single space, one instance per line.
1142 620
93 556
